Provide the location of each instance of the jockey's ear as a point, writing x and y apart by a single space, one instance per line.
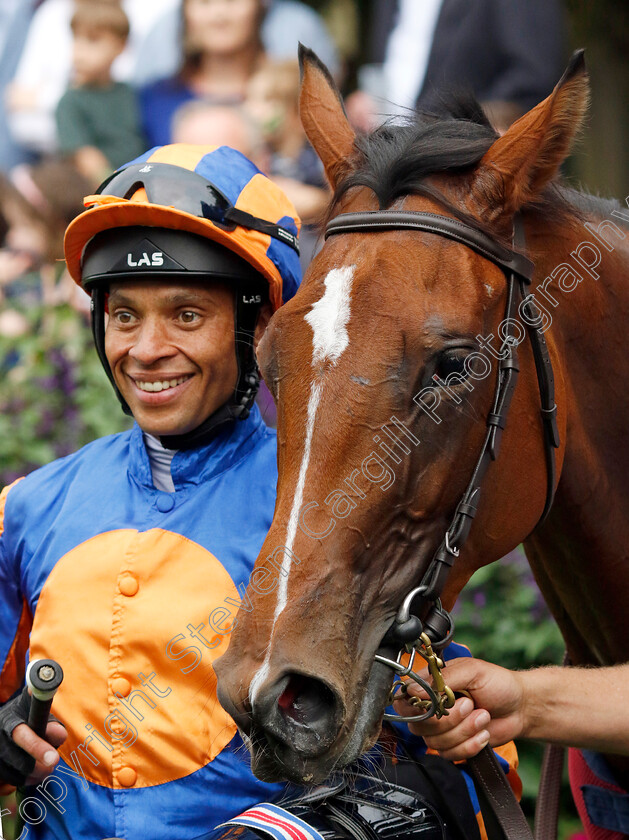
323 116
517 167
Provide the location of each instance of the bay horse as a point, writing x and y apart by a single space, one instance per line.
385 368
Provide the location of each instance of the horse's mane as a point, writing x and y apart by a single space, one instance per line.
594 205
397 159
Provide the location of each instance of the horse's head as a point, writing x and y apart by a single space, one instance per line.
384 368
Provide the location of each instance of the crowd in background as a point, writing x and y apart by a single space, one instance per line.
88 85
95 83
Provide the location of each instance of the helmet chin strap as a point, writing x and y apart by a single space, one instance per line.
248 303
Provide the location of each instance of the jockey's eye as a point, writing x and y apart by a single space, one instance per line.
452 363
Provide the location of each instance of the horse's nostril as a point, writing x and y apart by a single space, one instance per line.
298 713
306 700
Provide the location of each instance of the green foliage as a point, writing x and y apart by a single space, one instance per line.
7 823
502 616
54 396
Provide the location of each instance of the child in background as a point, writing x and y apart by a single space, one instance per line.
22 245
273 101
98 121
36 205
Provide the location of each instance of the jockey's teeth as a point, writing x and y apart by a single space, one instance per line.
160 386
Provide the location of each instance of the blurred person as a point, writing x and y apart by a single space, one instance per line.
222 49
273 100
36 204
22 244
44 69
286 23
98 122
15 19
202 123
507 53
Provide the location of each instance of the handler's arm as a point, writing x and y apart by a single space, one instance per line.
570 706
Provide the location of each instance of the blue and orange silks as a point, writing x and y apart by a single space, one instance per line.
121 579
242 184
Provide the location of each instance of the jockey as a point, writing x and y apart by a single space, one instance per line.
127 562
109 558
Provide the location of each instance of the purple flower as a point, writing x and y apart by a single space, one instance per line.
479 599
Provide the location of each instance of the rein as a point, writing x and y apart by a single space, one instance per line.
407 628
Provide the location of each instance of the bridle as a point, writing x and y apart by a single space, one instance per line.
435 628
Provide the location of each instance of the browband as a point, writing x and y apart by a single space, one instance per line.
366 221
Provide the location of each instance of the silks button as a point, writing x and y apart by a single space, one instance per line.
165 502
127 776
121 686
128 585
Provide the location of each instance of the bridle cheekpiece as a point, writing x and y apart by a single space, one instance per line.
435 628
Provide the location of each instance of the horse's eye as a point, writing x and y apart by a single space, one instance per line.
452 362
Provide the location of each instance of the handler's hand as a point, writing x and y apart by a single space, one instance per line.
494 715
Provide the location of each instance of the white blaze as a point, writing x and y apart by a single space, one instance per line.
328 318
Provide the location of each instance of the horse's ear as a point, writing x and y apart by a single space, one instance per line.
518 165
323 116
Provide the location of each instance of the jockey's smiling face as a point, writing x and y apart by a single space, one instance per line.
170 346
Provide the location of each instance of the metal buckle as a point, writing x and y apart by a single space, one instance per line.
451 549
440 698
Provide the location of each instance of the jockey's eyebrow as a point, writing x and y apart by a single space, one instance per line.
189 296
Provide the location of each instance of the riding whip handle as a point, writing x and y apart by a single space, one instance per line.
43 677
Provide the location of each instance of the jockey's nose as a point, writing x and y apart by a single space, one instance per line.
301 712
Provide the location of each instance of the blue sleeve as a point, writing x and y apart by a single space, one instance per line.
15 617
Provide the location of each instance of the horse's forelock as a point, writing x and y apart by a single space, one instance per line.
400 159
397 157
